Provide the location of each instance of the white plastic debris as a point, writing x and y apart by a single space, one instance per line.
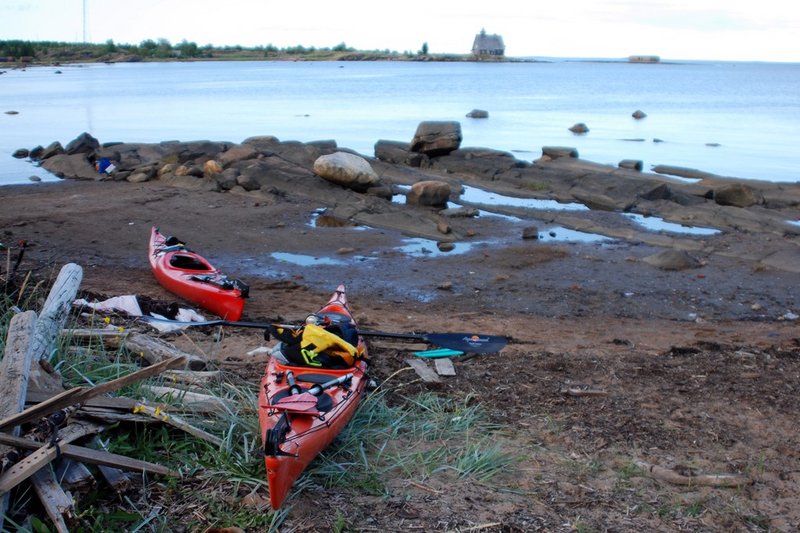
127 303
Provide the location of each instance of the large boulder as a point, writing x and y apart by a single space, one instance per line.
664 191
237 153
52 149
347 170
431 192
435 138
737 195
82 144
397 152
483 162
672 260
74 166
555 152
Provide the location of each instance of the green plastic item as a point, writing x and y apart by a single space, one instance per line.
441 352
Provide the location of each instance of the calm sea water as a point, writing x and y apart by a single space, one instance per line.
750 111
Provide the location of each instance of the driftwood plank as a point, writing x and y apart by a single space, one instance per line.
708 480
188 398
79 395
25 468
87 455
192 377
156 350
161 414
59 505
151 349
42 455
74 476
14 372
423 370
115 477
16 365
108 402
444 366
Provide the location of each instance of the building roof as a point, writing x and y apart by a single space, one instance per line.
488 44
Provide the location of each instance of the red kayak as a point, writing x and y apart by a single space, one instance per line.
190 276
303 406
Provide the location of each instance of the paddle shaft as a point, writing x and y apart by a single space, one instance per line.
465 342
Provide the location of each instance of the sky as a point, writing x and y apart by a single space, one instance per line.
736 30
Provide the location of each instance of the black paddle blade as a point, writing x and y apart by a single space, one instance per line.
467 342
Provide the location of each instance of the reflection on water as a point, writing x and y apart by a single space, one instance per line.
659 224
559 234
305 260
319 219
479 196
429 248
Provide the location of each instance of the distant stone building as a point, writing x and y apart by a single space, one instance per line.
488 45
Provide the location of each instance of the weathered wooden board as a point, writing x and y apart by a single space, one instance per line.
16 365
189 398
42 455
174 421
88 455
79 395
14 373
58 505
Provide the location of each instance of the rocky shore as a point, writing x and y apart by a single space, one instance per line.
629 346
433 168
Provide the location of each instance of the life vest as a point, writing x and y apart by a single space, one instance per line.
315 346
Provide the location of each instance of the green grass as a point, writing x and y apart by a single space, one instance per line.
391 438
415 440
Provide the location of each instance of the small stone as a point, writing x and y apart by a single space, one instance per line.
478 113
531 232
579 128
445 286
446 246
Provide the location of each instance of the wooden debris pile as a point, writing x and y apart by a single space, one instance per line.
48 434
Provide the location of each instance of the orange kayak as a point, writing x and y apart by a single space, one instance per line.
301 409
190 276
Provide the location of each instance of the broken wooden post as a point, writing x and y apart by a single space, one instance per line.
15 369
51 320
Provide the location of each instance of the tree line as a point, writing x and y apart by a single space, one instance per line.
39 51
